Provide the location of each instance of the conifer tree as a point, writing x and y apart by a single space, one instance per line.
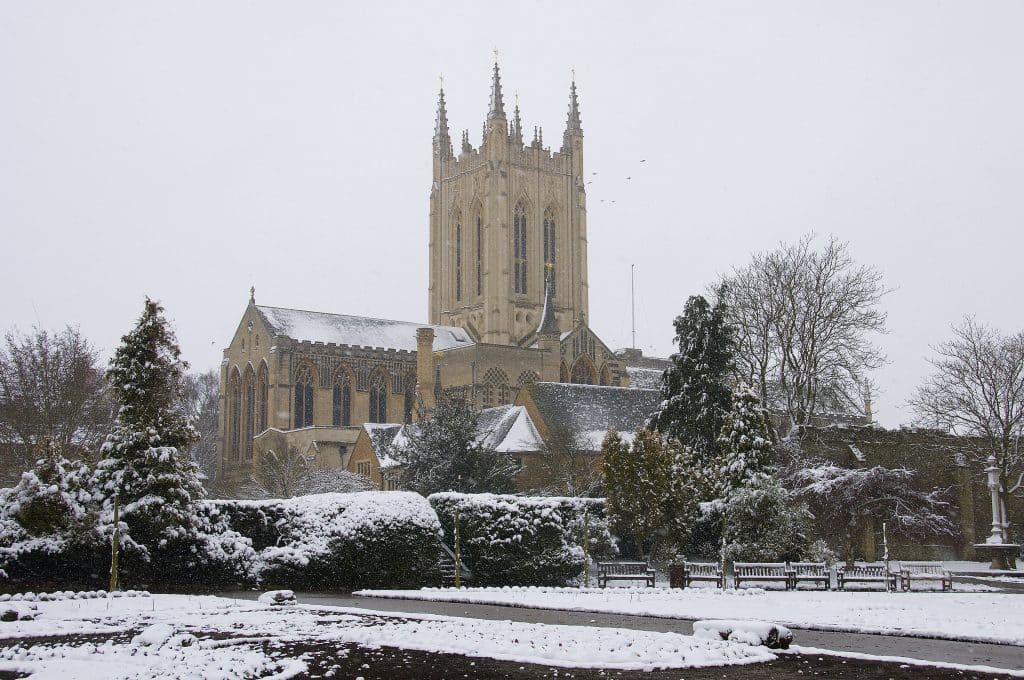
695 391
744 443
651 488
142 462
444 451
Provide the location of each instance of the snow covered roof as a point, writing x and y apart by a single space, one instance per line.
644 378
382 437
509 429
592 408
357 331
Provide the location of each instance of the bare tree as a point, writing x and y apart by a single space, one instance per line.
200 396
289 473
803 320
51 387
570 465
843 499
978 389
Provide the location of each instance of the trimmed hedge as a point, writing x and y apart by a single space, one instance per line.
340 541
523 540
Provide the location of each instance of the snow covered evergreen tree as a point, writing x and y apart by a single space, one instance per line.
142 461
444 451
761 523
695 390
745 447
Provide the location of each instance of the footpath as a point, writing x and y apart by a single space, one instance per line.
936 651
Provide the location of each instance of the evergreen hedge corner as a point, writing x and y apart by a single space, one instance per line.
340 541
522 540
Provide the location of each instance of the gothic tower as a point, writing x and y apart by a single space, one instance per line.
501 215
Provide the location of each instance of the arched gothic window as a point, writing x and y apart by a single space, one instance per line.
261 398
341 399
409 403
549 245
479 254
606 378
248 411
496 390
379 399
458 257
303 397
235 414
527 377
519 248
583 372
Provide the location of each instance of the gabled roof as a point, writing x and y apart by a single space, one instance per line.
509 429
357 331
590 408
382 436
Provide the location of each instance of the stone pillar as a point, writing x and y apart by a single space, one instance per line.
550 356
425 367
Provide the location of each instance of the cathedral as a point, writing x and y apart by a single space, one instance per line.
508 303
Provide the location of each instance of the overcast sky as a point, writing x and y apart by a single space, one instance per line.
188 150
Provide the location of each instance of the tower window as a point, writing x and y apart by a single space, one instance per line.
519 269
479 254
549 245
458 258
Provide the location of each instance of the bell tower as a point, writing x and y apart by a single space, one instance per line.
503 216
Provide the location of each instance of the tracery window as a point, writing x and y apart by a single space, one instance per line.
248 411
303 397
549 245
341 399
458 256
409 402
519 248
479 254
261 398
496 390
583 372
379 399
235 422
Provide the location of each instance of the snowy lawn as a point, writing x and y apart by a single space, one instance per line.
178 636
977 617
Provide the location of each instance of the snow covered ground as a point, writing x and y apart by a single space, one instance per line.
976 617
178 636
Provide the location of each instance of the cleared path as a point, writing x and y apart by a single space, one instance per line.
998 656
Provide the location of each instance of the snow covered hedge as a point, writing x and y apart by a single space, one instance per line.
523 540
339 541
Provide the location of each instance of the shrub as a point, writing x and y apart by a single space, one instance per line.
340 541
762 524
523 540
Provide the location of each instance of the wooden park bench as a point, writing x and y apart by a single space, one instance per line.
872 572
624 571
761 571
810 572
703 571
925 571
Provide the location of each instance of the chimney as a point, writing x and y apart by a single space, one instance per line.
425 367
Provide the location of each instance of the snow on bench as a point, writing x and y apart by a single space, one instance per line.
624 571
761 571
770 635
810 572
703 571
861 572
925 571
